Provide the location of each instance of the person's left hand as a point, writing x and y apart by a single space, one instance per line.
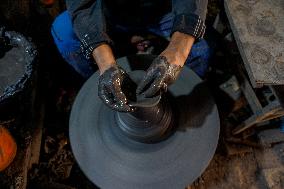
159 75
165 69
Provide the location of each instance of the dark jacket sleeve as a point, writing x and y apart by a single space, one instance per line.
89 23
189 17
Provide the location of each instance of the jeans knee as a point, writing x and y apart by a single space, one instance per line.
64 36
69 45
62 29
199 57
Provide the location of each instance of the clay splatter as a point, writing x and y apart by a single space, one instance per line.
264 27
12 67
260 55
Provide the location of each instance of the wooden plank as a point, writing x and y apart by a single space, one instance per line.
250 95
269 112
258 29
28 133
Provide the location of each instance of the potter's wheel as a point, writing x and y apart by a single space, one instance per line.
110 158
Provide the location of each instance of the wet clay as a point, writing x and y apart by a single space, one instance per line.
159 75
12 67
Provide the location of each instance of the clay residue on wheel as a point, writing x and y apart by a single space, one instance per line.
16 66
12 68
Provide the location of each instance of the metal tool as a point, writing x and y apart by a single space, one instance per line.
166 145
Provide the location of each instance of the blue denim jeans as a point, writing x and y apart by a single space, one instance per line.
68 45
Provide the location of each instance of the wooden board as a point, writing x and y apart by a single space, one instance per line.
258 27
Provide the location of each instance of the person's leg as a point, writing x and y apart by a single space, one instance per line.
198 60
69 45
199 57
164 27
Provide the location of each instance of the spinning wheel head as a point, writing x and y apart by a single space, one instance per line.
113 149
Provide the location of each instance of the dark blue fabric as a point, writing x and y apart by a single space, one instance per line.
92 19
68 45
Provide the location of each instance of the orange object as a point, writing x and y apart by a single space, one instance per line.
48 2
8 148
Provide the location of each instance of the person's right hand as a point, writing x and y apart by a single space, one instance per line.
110 89
111 79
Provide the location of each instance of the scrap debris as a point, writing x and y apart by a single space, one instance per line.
59 160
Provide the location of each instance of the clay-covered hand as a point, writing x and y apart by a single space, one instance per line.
110 91
159 75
